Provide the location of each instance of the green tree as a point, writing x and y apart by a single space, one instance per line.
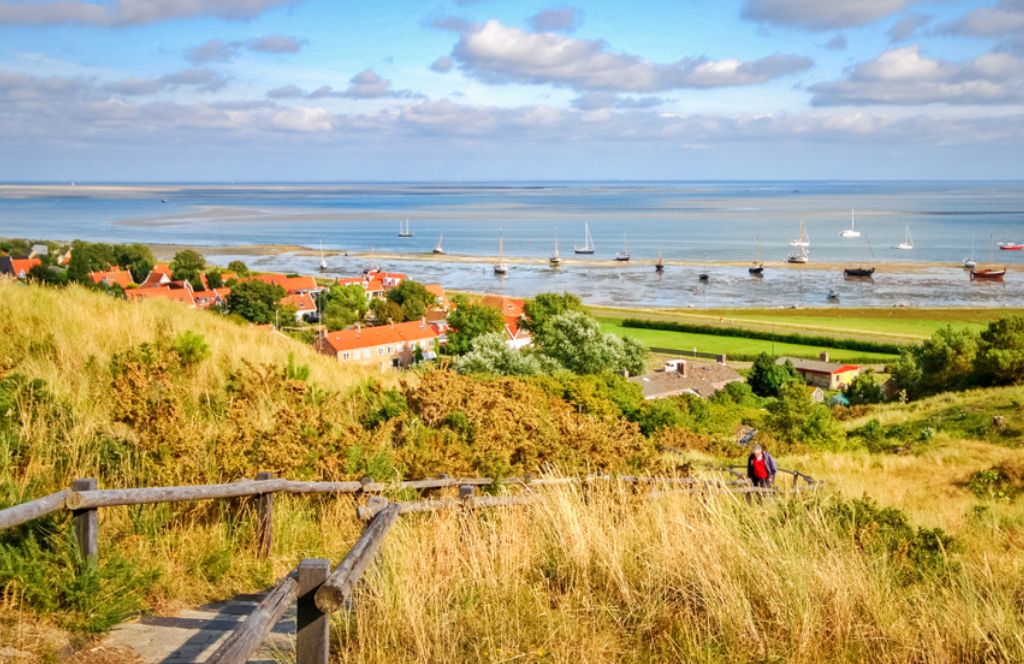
255 301
89 257
470 321
864 389
385 311
52 276
945 361
343 305
794 418
187 265
239 268
136 258
215 278
491 355
542 308
1001 357
766 378
576 341
413 297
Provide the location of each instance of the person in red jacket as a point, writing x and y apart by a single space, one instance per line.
761 467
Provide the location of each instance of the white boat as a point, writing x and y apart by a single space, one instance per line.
323 260
623 256
588 242
803 241
556 258
970 263
404 230
501 267
908 242
852 230
800 257
439 248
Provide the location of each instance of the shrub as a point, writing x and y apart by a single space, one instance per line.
1003 482
766 378
191 348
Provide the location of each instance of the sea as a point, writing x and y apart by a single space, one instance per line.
704 224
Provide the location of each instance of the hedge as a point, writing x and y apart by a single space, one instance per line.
724 331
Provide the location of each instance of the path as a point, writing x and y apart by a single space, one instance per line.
192 635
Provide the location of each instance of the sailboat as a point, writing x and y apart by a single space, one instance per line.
860 272
323 261
990 273
757 269
800 257
501 267
852 230
908 241
659 267
623 256
704 275
803 241
439 248
588 242
556 258
404 230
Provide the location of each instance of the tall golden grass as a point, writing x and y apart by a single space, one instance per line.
606 576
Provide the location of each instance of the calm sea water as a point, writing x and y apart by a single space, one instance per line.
696 221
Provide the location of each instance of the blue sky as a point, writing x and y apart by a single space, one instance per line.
193 90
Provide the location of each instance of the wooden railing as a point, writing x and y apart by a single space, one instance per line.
312 586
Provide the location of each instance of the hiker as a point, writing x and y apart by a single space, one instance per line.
761 468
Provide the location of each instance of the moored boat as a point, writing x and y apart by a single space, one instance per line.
757 269
556 258
404 230
501 267
852 230
858 272
908 241
623 256
439 247
988 273
1011 246
833 295
323 260
659 267
588 242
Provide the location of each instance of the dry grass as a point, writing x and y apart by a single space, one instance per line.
609 577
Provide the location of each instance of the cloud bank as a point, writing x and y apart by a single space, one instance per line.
130 12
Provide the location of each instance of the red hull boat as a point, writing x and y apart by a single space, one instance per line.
1011 246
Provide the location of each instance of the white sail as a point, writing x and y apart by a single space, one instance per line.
908 241
852 230
588 241
803 240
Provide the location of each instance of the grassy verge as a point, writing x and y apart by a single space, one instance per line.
736 347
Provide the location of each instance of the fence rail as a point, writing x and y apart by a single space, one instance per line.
311 586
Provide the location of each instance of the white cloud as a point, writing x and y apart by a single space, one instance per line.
129 12
443 65
907 27
821 14
1005 18
903 76
203 80
218 50
498 53
367 84
563 19
302 120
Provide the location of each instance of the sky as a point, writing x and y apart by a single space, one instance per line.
485 90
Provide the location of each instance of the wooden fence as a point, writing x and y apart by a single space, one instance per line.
312 586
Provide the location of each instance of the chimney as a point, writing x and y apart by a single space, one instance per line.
423 322
720 359
824 356
359 329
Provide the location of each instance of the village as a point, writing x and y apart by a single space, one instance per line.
373 340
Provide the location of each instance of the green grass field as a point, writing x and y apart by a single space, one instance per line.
897 325
735 346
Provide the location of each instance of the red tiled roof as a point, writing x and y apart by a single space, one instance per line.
350 281
160 274
113 276
22 266
290 284
301 301
183 295
511 308
845 368
369 337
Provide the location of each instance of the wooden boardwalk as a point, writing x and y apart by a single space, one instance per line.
192 635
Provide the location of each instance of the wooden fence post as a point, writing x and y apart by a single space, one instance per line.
312 635
466 492
264 519
87 523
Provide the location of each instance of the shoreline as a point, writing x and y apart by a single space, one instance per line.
166 251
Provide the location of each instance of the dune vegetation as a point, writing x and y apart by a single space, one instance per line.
913 550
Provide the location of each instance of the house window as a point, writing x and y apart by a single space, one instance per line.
380 351
344 356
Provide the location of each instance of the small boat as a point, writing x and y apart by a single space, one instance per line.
323 260
659 267
989 273
757 269
799 258
852 230
501 267
908 241
833 295
439 248
969 263
404 230
556 258
803 241
588 242
860 272
162 200
704 274
1011 246
623 256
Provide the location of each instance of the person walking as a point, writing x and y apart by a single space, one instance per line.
761 468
